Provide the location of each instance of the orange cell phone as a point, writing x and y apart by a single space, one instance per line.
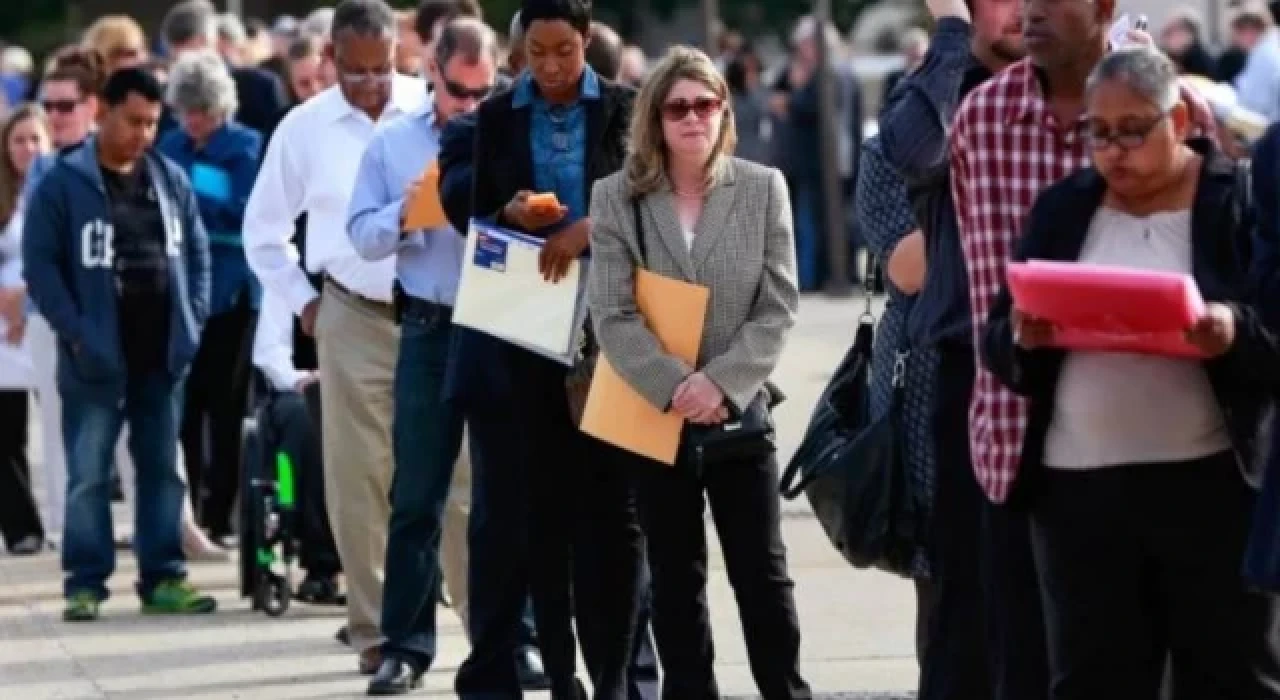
544 202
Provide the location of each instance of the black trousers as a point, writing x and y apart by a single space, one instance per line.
215 404
554 508
952 648
295 431
585 545
746 509
1016 644
19 516
1142 563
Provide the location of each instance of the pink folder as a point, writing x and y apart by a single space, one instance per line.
1109 309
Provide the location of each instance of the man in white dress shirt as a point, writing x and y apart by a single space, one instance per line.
311 167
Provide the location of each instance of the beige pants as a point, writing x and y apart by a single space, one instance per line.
357 349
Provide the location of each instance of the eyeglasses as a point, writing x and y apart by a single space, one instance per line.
60 106
703 107
462 92
380 76
1127 139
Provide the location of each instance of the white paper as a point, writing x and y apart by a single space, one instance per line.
501 293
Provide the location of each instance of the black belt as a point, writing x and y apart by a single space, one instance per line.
407 304
381 308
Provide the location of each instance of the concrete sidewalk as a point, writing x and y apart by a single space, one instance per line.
858 626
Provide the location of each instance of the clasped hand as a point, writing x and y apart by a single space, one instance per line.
700 401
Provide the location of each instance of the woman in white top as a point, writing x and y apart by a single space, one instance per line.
24 135
1139 496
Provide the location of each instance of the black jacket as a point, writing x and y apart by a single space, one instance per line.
263 99
502 165
1222 230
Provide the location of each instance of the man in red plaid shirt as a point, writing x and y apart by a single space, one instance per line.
1020 132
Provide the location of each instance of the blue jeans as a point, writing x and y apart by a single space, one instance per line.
426 438
810 235
91 423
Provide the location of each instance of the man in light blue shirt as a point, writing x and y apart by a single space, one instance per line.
427 431
1258 85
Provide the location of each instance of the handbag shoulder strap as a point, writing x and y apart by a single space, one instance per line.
640 242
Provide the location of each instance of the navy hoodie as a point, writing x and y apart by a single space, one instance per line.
68 264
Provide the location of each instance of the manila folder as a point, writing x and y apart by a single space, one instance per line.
424 210
616 413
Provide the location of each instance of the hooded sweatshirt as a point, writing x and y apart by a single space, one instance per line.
69 253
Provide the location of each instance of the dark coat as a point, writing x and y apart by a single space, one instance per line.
502 161
1222 235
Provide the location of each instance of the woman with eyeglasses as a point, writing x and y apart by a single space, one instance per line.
684 207
1141 464
24 135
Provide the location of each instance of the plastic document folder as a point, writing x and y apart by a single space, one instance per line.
1109 309
616 413
501 293
425 210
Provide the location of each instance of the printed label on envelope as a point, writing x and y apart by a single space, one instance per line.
491 253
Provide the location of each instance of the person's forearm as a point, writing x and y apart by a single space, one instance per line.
914 124
907 265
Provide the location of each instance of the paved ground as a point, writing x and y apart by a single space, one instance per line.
858 626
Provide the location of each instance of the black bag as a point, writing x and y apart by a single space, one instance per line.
745 436
851 466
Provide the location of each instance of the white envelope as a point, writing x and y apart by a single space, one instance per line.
501 293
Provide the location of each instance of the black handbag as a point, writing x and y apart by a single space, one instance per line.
851 467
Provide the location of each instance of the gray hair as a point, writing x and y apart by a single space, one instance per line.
231 29
516 32
318 23
1143 69
365 18
189 20
200 81
467 37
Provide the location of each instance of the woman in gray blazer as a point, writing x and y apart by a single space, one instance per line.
725 223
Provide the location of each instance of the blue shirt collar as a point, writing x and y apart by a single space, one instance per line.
526 91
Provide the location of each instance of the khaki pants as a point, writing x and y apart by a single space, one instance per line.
357 348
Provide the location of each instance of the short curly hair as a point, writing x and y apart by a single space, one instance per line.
200 81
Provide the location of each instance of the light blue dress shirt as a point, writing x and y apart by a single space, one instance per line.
1258 85
428 263
558 139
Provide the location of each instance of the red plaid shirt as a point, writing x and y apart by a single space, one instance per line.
1007 146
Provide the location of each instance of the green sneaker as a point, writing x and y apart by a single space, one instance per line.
178 598
82 606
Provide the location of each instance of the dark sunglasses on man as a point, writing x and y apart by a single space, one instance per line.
462 92
60 106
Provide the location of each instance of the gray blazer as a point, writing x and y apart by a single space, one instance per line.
743 250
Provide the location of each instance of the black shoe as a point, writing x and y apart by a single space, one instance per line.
27 546
530 671
320 590
395 677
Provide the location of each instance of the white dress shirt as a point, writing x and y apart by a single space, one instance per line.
311 166
273 343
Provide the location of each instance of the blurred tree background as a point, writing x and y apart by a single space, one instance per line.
42 25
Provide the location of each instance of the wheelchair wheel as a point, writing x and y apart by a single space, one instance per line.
272 594
250 529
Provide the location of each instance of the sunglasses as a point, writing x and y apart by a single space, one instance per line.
462 92
60 106
703 107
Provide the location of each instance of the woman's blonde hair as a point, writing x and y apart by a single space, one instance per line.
112 34
11 181
646 152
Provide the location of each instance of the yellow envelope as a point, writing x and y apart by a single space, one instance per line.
675 311
425 210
